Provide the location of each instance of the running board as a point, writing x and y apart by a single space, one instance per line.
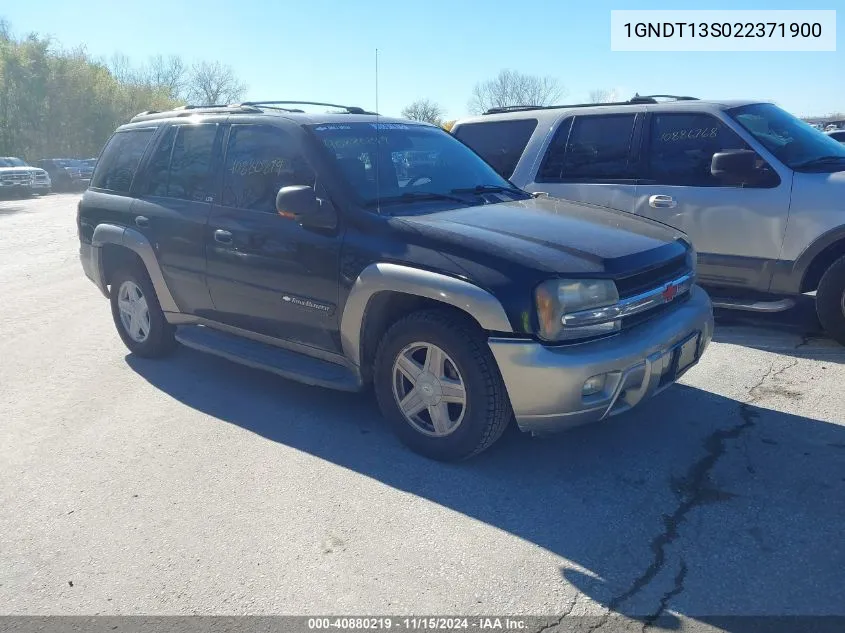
750 305
285 363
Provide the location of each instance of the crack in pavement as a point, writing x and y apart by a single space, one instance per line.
692 492
557 622
677 588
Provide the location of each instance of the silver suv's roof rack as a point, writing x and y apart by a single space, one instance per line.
636 99
275 104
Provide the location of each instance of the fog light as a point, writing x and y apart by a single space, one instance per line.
594 385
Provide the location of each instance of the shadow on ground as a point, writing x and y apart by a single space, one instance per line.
796 332
694 503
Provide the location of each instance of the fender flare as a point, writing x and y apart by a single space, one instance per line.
141 246
380 277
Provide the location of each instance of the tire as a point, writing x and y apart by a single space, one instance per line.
486 410
155 337
830 300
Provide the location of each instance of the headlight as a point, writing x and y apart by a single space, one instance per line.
558 297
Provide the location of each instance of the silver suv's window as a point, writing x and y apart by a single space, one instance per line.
795 143
500 143
595 147
681 147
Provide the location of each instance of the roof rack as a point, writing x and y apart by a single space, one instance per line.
636 99
189 110
272 104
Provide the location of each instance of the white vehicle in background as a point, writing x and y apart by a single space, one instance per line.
837 135
22 180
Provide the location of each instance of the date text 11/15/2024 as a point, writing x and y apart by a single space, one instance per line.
418 623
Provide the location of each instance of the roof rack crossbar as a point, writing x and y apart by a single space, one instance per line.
348 109
636 99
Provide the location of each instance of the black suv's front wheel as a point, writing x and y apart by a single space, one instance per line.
830 300
439 387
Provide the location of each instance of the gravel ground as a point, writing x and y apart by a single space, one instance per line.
194 485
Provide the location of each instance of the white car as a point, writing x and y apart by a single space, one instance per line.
18 178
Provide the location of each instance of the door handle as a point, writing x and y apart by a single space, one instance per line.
224 237
662 202
142 222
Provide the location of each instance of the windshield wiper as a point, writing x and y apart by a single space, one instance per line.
414 196
821 160
490 189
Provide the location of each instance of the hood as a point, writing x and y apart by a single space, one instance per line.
551 235
18 170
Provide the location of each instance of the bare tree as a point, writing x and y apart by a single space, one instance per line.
424 110
170 74
602 95
211 83
512 88
122 69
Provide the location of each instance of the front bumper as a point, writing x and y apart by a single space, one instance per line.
545 383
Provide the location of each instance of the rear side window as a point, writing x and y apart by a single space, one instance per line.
500 143
180 166
590 147
681 148
260 160
120 159
190 162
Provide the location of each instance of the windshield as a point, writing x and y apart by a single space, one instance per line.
399 163
11 161
795 143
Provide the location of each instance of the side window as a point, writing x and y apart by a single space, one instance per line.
260 160
591 147
551 169
681 147
190 162
500 143
120 159
155 175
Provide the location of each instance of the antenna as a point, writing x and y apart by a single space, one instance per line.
378 146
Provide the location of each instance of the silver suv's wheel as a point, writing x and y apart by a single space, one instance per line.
137 315
830 300
439 386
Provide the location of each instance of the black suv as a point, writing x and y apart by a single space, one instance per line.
350 249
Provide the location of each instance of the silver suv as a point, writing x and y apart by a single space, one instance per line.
760 193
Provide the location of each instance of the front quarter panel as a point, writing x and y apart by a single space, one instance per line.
818 207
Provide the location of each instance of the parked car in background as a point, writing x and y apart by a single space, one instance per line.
837 135
17 178
67 174
290 242
758 191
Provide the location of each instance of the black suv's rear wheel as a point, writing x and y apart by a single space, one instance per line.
439 387
830 300
138 316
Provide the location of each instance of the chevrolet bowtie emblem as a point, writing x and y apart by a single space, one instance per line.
669 293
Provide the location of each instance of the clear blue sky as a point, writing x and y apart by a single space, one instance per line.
324 50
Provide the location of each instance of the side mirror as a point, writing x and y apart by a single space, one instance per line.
300 203
735 166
